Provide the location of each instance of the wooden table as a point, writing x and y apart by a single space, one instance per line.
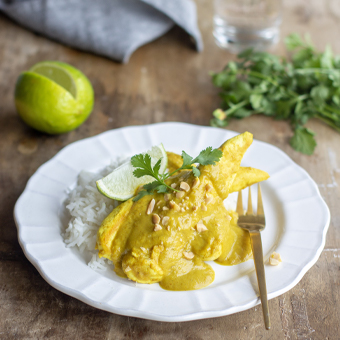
165 80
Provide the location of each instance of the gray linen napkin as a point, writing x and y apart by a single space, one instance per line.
113 28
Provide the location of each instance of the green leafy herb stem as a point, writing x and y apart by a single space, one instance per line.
142 163
306 87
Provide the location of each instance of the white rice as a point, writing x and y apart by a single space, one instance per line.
88 207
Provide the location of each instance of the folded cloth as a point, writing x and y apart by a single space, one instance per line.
113 28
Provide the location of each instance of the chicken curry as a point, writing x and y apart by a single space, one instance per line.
167 238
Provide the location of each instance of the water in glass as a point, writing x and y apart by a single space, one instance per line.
240 24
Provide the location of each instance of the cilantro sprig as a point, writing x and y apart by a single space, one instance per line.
261 83
143 165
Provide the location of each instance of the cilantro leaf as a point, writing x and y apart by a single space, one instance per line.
209 156
303 141
141 194
246 53
151 187
143 166
255 100
205 157
162 189
326 59
304 87
196 171
294 41
187 160
319 94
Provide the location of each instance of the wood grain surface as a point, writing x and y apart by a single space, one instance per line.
165 80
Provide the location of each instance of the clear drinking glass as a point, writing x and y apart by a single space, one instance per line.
240 24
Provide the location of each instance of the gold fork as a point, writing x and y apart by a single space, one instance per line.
254 224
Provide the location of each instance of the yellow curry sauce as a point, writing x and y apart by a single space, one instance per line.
167 238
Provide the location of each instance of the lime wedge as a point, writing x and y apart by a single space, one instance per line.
57 74
121 184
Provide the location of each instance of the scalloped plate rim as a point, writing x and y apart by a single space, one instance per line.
164 317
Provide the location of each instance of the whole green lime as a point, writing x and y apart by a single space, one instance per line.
53 97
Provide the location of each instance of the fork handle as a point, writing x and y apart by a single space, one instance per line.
256 245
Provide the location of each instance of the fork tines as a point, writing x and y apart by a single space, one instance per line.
239 207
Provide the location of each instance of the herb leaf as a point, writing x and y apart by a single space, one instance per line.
294 41
303 141
187 160
206 157
141 194
196 172
306 87
209 156
143 166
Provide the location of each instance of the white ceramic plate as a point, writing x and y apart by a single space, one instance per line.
297 222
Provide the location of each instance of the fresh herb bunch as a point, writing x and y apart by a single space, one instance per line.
307 87
143 166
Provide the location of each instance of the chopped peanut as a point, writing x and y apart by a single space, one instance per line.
275 259
184 186
188 255
155 219
208 199
165 220
180 194
167 197
157 227
174 206
150 207
273 262
201 227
